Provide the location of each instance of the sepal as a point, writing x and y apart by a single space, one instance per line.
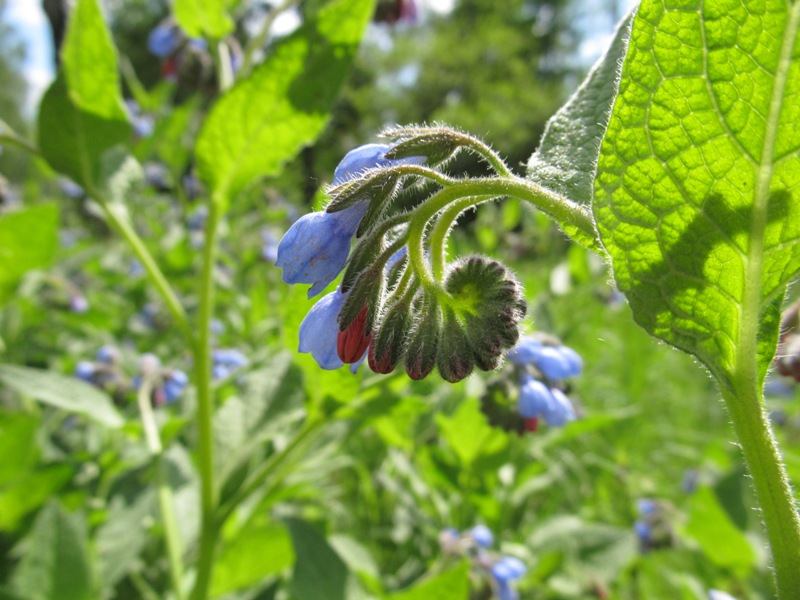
389 342
423 340
436 144
454 354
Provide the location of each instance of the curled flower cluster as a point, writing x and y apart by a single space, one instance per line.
544 364
499 570
398 303
106 372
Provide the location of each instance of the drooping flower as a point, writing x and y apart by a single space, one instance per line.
555 362
226 361
504 571
164 39
482 536
315 248
320 329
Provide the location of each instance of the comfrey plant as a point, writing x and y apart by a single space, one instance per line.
399 301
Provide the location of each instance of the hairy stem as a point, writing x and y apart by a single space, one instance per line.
205 409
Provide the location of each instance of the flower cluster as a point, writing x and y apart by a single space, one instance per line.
107 373
652 526
500 571
544 364
398 303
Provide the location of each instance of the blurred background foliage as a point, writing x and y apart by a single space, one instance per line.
396 461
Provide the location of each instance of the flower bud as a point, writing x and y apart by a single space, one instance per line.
424 338
491 306
353 341
389 341
454 355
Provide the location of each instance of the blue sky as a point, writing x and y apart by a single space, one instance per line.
30 23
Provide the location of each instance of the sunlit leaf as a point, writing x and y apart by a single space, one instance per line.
199 18
566 159
452 584
696 199
66 393
284 104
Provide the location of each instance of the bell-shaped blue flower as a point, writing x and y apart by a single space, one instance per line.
535 398
366 157
320 329
561 411
163 40
315 248
504 571
482 536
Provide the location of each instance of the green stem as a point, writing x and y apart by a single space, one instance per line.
205 408
166 501
475 191
438 237
771 483
117 217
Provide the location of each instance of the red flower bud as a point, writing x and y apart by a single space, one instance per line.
532 424
353 341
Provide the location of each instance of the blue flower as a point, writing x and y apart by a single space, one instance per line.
315 248
85 370
226 361
320 330
174 385
504 571
163 40
554 362
719 595
366 157
107 355
537 400
482 536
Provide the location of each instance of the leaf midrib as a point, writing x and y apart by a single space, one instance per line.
750 315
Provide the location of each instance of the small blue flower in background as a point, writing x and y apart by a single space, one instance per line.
226 361
719 595
554 362
320 330
504 571
175 383
482 536
164 39
499 569
108 355
85 370
542 365
269 246
78 304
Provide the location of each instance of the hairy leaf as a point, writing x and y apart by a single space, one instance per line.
566 159
284 104
696 194
200 18
56 564
62 392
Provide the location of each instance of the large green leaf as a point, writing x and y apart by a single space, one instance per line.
452 584
90 63
319 573
200 18
82 114
566 159
62 392
720 539
695 197
257 552
28 240
284 104
56 562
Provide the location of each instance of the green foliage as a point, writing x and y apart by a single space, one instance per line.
241 141
28 240
200 18
64 392
56 562
696 178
